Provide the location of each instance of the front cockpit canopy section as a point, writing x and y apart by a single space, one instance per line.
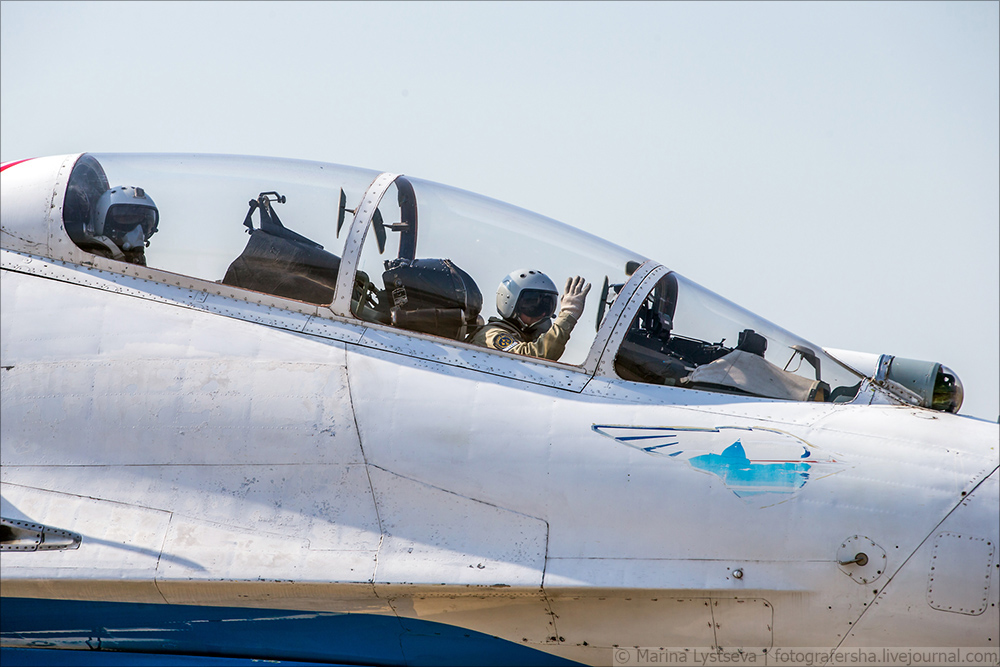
446 275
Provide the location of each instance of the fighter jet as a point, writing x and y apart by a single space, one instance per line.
251 409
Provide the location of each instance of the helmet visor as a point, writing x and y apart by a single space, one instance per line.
536 303
123 218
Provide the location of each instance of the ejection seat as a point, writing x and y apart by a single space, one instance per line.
430 296
278 261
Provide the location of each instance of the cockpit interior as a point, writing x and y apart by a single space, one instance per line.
307 234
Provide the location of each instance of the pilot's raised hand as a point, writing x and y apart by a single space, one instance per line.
574 296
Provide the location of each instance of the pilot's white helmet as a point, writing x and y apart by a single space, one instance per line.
529 292
127 216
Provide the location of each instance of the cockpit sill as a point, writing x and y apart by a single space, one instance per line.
296 316
642 304
319 321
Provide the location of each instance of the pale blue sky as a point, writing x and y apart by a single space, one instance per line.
831 166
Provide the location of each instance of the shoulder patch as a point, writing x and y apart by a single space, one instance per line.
502 342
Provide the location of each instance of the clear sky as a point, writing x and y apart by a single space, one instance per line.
834 167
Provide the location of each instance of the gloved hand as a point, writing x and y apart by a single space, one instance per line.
574 296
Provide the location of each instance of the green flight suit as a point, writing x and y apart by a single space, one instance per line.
502 335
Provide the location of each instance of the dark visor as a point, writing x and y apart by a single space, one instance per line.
122 218
536 303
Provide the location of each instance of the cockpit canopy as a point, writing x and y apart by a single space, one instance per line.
406 254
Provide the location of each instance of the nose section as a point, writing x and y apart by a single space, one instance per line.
948 592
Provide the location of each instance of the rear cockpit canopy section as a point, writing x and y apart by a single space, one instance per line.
203 228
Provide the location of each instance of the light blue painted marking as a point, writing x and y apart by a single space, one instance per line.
746 478
782 462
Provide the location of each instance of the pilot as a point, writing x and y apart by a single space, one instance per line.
526 301
123 220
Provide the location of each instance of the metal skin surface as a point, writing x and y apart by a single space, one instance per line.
400 498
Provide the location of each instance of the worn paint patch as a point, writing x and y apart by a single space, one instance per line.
761 466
